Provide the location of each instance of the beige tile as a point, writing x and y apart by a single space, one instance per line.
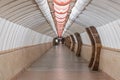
61 64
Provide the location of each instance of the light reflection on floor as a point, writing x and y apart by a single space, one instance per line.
61 64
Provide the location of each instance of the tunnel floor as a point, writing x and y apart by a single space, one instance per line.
59 63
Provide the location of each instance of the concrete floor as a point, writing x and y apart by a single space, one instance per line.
61 64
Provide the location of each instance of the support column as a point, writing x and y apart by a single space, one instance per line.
96 48
79 44
68 41
73 42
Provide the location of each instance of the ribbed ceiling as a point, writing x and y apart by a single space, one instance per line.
96 13
25 13
28 14
99 12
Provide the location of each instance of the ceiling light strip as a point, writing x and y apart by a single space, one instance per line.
61 8
76 11
43 5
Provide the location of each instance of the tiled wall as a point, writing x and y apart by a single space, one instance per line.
14 61
109 61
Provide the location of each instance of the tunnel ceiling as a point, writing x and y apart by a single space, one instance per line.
29 14
25 13
99 12
96 13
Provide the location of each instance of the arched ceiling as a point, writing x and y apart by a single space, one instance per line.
28 14
74 28
99 12
95 13
25 13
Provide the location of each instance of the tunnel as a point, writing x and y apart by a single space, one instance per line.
59 39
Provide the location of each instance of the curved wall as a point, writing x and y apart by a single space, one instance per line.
110 53
109 34
85 38
19 48
14 36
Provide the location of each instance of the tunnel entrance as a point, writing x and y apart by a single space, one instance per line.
58 40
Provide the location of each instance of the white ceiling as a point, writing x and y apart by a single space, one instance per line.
25 13
28 14
99 12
